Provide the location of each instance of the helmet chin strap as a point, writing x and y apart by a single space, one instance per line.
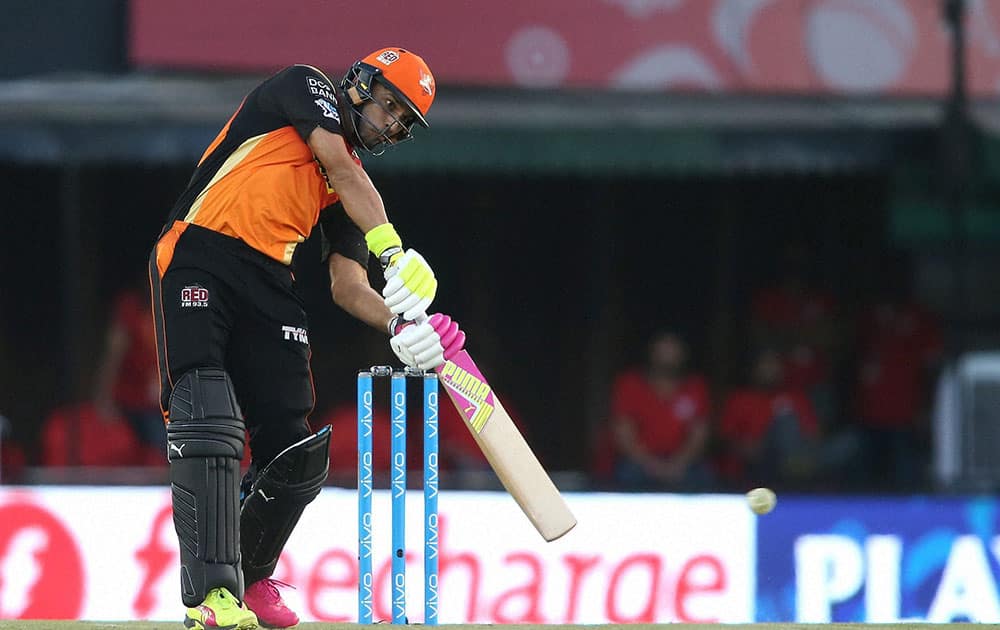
346 102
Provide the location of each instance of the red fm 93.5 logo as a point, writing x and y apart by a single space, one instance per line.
194 296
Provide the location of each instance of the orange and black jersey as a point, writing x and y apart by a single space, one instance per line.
259 182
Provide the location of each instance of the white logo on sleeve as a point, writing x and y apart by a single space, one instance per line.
328 109
178 448
319 88
293 333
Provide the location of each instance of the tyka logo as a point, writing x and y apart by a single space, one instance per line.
194 296
293 333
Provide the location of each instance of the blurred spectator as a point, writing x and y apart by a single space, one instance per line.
81 435
659 421
343 419
768 430
458 450
127 378
900 345
799 321
12 457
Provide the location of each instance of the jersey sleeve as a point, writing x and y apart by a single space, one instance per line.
304 97
339 235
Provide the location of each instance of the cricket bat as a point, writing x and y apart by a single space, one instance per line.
505 448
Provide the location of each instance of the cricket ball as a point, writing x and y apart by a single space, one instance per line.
761 500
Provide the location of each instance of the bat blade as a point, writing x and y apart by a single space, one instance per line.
505 448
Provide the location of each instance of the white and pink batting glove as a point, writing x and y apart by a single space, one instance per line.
428 342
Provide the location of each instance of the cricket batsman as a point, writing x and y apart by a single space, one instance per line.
232 335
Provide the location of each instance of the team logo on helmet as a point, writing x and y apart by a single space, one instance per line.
427 83
387 57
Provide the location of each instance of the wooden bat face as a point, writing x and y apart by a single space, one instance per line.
505 448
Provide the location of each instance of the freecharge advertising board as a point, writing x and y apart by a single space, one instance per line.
111 553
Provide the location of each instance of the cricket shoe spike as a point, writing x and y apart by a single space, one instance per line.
221 610
263 598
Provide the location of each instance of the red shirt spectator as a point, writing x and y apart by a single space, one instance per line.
79 435
662 424
459 450
137 383
127 377
343 419
799 320
898 344
766 423
659 420
749 413
12 460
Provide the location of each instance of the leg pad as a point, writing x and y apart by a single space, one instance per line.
205 438
275 501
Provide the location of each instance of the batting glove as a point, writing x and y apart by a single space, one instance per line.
410 285
427 344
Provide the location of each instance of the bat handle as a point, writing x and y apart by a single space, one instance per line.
421 318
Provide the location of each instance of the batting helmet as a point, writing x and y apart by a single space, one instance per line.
404 73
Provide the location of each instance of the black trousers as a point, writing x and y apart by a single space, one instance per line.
219 303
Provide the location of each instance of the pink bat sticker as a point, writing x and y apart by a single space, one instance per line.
468 388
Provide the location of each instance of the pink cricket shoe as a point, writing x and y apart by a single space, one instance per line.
263 598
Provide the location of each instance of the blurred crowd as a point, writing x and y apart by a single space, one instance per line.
830 394
120 426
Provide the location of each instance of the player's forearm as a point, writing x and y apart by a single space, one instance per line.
363 303
361 200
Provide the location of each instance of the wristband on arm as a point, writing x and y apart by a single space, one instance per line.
384 242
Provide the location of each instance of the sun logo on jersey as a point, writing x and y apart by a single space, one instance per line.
328 109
